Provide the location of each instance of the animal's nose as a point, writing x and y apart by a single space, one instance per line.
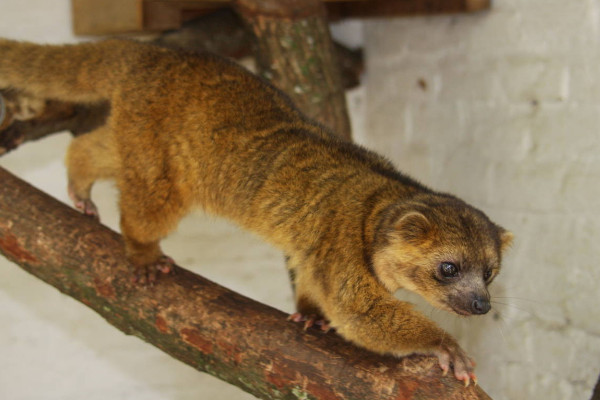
480 306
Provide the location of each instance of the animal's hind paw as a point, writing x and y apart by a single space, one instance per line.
147 275
310 321
86 206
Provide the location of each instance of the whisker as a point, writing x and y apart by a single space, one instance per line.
502 322
517 298
529 312
504 304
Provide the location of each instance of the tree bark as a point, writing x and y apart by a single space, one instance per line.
205 325
295 52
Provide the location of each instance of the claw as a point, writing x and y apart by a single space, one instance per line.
444 371
453 358
308 323
474 377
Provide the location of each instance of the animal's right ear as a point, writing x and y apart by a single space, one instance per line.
413 227
506 239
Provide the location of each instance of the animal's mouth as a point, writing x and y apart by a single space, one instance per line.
459 311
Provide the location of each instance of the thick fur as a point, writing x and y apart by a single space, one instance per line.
193 130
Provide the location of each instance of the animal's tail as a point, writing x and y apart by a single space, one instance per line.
78 73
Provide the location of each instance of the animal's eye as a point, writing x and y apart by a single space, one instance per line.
448 270
487 275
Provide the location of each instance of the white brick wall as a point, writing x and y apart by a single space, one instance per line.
503 109
507 117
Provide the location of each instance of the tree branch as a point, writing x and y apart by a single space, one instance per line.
53 116
205 325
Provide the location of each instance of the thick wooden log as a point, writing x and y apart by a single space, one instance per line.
295 52
205 325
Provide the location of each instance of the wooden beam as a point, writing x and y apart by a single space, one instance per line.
202 324
93 17
162 15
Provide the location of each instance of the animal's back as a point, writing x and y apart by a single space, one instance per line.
224 139
195 129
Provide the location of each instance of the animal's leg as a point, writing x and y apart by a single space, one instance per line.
90 157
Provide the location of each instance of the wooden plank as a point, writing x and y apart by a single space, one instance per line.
161 15
93 17
390 8
229 1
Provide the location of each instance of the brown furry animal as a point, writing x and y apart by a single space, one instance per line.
194 130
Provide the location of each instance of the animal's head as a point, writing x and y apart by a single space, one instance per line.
441 248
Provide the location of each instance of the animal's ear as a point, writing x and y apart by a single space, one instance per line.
414 227
506 239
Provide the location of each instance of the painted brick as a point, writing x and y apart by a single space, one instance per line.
509 122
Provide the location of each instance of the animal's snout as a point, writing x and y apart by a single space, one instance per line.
480 305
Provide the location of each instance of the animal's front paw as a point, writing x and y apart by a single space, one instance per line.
148 274
450 355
